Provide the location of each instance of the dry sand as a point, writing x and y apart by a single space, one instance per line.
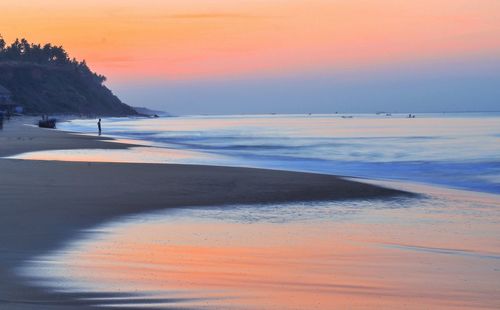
43 204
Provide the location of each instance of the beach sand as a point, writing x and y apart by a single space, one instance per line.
43 204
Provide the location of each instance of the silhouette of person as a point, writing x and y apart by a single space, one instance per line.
99 126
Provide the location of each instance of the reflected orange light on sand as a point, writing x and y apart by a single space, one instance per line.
193 38
260 275
293 266
132 155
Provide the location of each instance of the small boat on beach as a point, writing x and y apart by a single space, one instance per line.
47 123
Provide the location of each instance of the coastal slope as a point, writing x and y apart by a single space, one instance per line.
45 80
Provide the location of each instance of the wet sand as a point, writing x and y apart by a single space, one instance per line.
44 204
432 252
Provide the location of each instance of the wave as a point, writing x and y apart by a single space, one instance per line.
452 152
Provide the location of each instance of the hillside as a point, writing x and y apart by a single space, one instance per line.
44 80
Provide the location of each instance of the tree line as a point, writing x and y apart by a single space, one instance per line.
22 51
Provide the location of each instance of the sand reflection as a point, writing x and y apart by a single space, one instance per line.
411 253
131 155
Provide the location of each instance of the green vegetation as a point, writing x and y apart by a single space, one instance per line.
44 80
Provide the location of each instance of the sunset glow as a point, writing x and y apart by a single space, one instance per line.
193 39
249 154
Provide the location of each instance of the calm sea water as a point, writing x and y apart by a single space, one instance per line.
453 150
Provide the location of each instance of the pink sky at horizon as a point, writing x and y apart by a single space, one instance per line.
191 39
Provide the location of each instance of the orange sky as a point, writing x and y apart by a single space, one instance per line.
187 39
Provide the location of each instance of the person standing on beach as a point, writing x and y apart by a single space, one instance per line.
99 126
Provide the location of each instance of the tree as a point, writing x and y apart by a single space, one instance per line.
13 52
23 51
2 47
2 43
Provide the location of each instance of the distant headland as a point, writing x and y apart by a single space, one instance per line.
43 79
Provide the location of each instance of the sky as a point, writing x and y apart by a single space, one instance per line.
278 56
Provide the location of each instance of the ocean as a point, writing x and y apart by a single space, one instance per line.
450 150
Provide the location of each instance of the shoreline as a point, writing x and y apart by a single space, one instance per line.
17 138
384 156
46 203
